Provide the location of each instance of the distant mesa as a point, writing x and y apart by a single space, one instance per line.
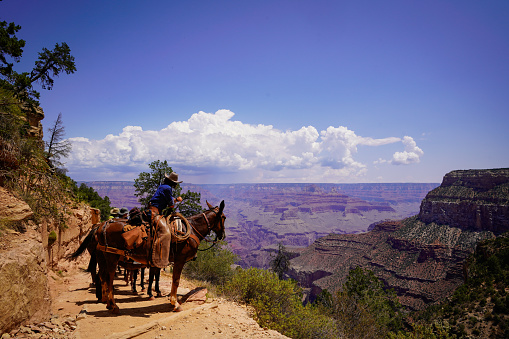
421 257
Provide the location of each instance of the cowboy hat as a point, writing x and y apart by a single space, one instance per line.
123 211
173 177
115 211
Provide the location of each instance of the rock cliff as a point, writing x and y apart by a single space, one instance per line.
475 199
26 257
420 257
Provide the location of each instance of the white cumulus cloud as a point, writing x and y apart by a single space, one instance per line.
214 144
411 155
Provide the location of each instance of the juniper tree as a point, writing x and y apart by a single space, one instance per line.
280 263
147 183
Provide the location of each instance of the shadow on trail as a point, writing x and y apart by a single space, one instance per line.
139 311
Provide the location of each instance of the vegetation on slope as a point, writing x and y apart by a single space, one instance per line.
480 307
363 308
30 167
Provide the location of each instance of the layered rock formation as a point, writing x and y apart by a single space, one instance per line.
420 257
262 215
475 199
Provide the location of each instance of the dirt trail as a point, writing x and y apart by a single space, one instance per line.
73 298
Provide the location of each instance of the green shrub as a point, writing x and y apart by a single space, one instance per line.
213 265
52 237
277 304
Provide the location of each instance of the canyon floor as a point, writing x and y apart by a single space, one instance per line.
74 298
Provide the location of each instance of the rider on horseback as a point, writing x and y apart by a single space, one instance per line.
164 195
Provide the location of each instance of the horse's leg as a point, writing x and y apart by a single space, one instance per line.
142 283
126 276
177 270
133 284
157 272
150 281
98 288
92 267
108 275
101 278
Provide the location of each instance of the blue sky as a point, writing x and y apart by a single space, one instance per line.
276 91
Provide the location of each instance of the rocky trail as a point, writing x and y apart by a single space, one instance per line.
76 314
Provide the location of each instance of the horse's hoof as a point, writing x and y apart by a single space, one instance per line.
142 290
178 309
115 310
151 298
159 294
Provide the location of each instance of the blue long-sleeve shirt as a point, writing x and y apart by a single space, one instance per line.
163 197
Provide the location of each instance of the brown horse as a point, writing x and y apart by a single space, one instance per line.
90 244
110 236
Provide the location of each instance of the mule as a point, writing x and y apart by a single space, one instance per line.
130 270
109 236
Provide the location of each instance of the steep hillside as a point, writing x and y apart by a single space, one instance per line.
479 308
26 256
421 259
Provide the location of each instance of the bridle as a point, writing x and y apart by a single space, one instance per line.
210 228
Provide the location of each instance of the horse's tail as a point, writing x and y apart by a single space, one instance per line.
92 264
83 245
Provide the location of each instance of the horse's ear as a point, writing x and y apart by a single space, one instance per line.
221 207
209 205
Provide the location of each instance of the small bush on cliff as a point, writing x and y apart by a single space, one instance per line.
52 237
277 304
213 265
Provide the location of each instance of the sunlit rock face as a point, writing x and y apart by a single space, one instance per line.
473 199
420 257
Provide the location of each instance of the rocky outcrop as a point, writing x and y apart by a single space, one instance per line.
474 199
34 121
420 257
23 280
11 208
25 258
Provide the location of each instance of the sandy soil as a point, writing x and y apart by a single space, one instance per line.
202 317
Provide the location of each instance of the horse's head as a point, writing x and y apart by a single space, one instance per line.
218 224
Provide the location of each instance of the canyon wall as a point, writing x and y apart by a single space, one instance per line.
475 199
26 255
259 216
421 257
